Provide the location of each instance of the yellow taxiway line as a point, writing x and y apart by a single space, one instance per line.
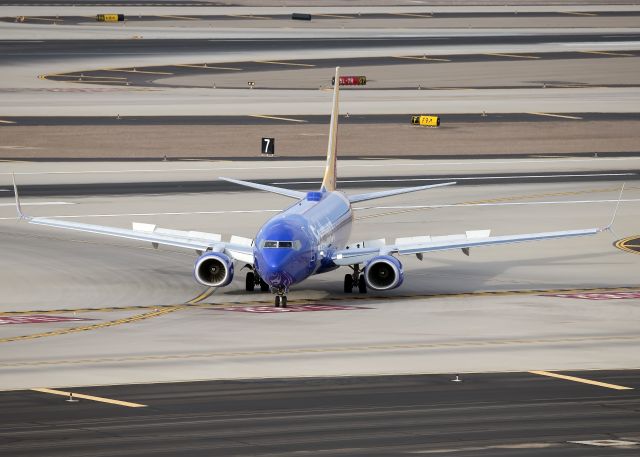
338 16
248 16
206 67
138 71
581 380
285 63
564 116
85 328
422 58
89 397
413 15
264 116
608 53
179 17
519 56
578 13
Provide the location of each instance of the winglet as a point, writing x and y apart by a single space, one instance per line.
15 193
330 172
615 211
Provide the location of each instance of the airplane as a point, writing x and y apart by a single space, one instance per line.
309 237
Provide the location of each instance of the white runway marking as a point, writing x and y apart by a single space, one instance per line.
37 203
563 116
321 165
454 205
170 213
457 178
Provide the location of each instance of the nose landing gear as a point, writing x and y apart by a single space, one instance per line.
355 280
281 298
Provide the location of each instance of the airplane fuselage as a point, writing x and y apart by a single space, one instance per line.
298 242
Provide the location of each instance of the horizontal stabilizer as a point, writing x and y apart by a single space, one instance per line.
390 193
276 190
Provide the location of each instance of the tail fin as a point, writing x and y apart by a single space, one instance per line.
330 172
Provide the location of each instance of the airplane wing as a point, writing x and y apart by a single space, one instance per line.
424 244
238 248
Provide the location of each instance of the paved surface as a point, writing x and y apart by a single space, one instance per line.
143 302
484 415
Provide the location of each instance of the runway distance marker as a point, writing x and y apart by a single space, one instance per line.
38 319
581 380
89 397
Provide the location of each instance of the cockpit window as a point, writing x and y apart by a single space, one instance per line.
282 244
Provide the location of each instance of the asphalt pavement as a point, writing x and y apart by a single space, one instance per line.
501 414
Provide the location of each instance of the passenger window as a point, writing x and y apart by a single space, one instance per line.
285 244
270 244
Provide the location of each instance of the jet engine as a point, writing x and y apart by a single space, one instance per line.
383 273
213 269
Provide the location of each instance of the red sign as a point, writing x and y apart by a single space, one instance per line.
600 296
350 81
291 309
37 319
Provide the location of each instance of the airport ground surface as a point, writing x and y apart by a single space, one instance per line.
560 92
512 414
140 303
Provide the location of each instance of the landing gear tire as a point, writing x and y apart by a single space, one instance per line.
264 287
281 301
362 285
250 282
348 284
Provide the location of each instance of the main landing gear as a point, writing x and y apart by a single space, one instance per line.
356 279
252 280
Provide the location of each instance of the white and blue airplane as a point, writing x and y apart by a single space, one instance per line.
307 238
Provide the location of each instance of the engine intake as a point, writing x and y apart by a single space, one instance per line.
213 269
383 273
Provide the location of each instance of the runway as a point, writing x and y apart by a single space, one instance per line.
484 415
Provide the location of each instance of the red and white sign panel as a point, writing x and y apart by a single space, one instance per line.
600 296
291 309
37 319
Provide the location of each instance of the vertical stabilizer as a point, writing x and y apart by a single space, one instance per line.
330 175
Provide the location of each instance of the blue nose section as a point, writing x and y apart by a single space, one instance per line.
278 267
283 252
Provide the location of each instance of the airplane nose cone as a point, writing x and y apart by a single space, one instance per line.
276 268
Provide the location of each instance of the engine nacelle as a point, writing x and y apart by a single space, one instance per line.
383 273
213 269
